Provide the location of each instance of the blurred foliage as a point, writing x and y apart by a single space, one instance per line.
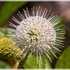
4 65
8 49
7 9
6 32
64 60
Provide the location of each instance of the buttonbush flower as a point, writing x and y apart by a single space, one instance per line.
39 31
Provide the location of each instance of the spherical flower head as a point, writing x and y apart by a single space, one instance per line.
38 32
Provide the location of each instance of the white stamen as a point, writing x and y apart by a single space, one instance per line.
14 19
20 15
13 25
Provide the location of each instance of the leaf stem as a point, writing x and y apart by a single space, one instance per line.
16 65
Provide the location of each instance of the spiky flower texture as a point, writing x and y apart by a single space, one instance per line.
41 32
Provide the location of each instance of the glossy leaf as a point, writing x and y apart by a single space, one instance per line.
7 9
34 61
64 60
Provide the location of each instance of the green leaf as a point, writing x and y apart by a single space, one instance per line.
4 32
34 61
4 65
64 59
7 9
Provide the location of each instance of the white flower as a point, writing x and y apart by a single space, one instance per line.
38 32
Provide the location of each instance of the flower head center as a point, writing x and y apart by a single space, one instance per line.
33 34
